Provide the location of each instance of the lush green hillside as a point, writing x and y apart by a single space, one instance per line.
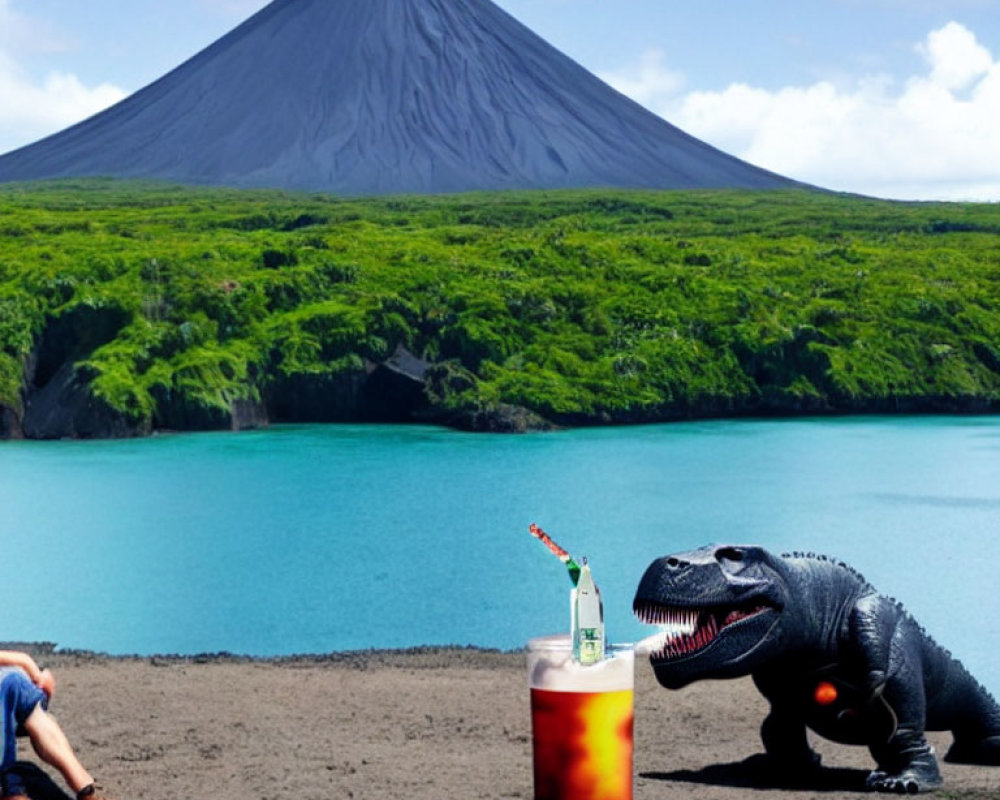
175 304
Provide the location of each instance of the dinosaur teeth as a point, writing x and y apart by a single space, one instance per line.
684 631
676 620
687 636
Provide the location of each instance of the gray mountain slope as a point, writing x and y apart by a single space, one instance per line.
363 97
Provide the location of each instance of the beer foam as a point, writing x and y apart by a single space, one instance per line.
652 644
551 667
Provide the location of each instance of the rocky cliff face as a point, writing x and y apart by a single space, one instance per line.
363 97
65 408
59 401
10 424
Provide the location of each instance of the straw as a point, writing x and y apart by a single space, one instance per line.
557 551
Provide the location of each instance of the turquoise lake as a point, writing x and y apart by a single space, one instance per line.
318 538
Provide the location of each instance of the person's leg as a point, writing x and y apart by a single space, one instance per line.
54 749
11 682
23 707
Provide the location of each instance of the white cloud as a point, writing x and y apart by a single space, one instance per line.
649 82
236 7
34 107
30 109
956 58
931 136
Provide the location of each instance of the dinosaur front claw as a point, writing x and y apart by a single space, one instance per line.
907 782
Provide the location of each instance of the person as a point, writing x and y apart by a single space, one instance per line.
25 690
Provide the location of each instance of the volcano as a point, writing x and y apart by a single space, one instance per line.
368 97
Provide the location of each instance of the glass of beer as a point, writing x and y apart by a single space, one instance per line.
581 722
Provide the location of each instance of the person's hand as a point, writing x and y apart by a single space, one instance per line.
47 682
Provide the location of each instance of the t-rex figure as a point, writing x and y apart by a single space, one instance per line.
826 650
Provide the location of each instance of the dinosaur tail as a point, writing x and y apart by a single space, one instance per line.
975 720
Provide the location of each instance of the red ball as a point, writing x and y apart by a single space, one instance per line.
825 694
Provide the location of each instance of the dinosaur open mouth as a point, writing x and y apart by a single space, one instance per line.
687 630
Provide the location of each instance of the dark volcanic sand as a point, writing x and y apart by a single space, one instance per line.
426 725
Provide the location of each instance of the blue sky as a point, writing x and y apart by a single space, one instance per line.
896 98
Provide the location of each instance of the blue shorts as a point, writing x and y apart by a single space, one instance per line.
18 698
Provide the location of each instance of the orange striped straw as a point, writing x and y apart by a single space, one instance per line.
559 552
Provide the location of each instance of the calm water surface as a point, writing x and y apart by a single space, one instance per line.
320 538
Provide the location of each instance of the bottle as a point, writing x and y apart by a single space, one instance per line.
587 619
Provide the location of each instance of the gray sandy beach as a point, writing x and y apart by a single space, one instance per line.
421 725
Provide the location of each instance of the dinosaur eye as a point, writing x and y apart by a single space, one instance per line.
729 554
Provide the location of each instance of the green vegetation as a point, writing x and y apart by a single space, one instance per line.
583 306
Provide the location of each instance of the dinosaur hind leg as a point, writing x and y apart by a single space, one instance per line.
967 750
975 722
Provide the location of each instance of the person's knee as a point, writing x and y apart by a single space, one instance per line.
38 723
20 695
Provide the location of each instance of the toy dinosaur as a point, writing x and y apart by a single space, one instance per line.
826 650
